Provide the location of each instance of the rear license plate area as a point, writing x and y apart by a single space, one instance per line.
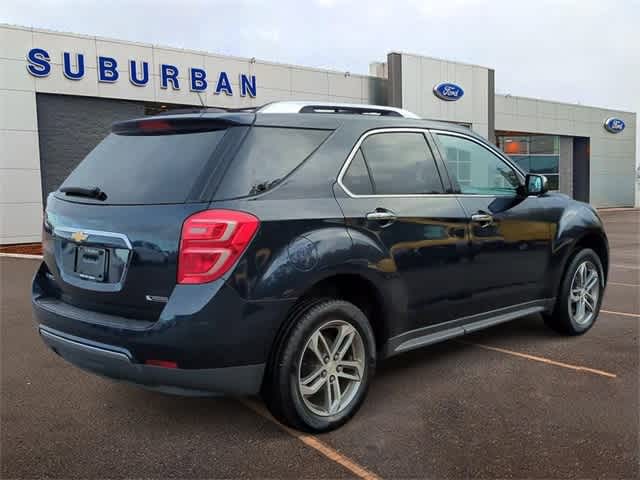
91 263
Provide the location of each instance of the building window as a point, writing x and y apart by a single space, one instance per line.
534 154
460 162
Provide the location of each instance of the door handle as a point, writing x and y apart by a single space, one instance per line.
484 219
381 216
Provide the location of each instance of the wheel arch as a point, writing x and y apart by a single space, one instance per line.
593 240
359 290
578 227
353 287
596 242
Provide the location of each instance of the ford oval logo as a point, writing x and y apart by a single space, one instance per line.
614 125
448 91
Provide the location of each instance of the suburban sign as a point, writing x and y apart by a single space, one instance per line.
448 91
614 125
108 70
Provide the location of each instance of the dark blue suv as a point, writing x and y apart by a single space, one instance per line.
285 249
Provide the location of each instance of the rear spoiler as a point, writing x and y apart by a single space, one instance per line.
168 124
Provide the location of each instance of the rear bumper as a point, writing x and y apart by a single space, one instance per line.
117 363
219 341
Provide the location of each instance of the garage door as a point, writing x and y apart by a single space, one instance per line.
69 127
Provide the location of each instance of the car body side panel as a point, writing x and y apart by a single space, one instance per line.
302 236
426 250
511 255
292 244
567 222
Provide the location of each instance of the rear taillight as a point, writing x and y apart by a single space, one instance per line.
211 242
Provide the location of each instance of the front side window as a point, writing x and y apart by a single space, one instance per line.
477 170
400 163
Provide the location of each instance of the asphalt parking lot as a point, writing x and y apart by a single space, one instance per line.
515 401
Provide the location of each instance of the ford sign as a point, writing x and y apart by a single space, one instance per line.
448 91
614 125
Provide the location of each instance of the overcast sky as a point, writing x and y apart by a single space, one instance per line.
582 51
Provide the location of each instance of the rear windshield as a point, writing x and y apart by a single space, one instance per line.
146 169
266 157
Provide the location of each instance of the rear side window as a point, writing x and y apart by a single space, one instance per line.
356 178
266 157
401 163
146 169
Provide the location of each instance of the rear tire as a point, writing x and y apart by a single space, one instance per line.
580 295
322 368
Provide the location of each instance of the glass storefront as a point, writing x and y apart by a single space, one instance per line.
534 154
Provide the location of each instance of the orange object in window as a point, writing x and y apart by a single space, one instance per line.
513 147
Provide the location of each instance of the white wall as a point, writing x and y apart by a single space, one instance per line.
421 74
20 184
612 156
20 194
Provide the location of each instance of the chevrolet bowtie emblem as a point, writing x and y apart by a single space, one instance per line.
79 236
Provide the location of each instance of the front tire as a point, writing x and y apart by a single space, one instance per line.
580 296
322 368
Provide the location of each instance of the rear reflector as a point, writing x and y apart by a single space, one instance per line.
211 242
161 363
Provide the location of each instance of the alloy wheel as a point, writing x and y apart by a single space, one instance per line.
331 368
585 293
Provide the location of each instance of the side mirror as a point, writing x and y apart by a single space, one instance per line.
536 184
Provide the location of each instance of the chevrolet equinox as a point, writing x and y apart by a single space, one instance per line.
285 249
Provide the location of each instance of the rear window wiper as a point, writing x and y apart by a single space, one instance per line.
93 192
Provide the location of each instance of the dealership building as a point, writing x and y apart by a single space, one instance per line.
60 93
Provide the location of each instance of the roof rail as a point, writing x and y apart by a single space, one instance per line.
330 107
